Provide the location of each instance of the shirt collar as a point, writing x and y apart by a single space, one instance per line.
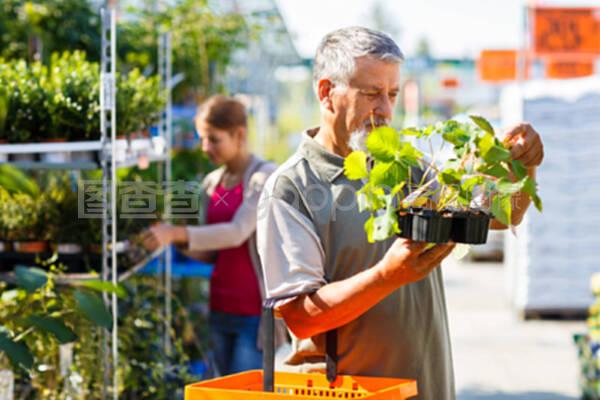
327 164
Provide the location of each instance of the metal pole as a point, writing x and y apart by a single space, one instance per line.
105 107
108 125
166 131
113 112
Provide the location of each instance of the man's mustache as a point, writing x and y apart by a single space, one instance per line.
376 122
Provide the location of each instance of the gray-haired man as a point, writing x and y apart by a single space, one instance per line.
385 299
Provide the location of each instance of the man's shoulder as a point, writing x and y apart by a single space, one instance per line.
292 175
290 181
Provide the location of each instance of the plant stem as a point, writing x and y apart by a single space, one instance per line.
23 334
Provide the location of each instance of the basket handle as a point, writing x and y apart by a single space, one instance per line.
331 357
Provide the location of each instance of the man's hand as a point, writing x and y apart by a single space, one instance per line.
161 235
525 145
407 261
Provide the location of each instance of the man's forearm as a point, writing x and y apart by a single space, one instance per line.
337 303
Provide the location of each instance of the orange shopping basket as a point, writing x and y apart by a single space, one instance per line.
267 384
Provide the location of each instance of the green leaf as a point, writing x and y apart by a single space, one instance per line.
483 124
382 227
428 130
102 286
507 187
355 165
410 132
450 176
396 189
470 183
386 224
530 188
519 169
30 278
496 153
455 133
93 308
502 209
484 142
369 229
491 149
369 198
409 154
383 143
18 353
496 170
388 174
16 181
54 326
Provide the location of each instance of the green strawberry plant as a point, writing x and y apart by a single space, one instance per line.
397 176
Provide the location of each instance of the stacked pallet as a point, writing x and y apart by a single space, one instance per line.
550 261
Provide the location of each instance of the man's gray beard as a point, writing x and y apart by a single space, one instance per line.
358 140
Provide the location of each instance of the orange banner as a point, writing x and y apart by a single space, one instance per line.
565 31
497 65
560 69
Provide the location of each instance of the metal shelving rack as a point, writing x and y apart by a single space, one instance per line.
110 154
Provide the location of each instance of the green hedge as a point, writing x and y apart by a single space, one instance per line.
62 101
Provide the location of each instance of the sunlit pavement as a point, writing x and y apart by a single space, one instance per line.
497 356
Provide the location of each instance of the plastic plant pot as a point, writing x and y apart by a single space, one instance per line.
25 157
469 226
56 156
31 247
68 248
424 225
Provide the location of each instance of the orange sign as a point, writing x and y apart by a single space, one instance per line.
561 69
450 83
566 31
497 65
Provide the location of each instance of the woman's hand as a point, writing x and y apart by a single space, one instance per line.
161 235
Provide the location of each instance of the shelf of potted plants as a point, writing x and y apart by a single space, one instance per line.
50 116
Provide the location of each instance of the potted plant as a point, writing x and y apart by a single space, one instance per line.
27 117
5 222
3 115
31 232
418 199
62 211
140 101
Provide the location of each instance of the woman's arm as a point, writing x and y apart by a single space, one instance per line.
215 236
202 256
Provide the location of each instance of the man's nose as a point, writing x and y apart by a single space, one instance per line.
384 107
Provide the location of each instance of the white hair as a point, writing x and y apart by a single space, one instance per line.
337 52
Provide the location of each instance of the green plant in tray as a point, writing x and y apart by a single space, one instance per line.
407 194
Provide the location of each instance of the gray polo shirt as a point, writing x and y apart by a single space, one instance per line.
310 232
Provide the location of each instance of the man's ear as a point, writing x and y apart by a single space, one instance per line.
324 91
